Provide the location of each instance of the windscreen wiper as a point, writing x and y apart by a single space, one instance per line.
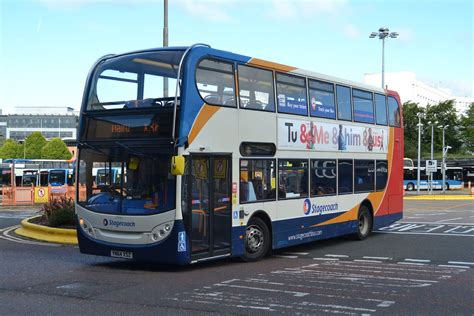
130 150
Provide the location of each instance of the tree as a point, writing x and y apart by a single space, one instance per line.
445 114
410 121
55 149
34 144
467 129
11 149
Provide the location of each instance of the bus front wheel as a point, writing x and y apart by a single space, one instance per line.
364 223
257 240
410 186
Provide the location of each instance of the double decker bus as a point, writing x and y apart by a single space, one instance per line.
239 157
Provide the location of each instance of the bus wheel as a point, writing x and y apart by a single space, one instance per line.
257 240
446 186
364 223
410 186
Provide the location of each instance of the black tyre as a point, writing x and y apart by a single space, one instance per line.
446 186
257 240
364 223
410 187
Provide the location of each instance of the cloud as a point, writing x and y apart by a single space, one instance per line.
406 34
351 31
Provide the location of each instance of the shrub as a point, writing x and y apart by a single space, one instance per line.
59 212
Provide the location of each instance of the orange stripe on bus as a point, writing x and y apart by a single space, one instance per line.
271 65
203 117
375 198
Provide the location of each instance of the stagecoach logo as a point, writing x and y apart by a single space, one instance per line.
307 206
118 223
323 209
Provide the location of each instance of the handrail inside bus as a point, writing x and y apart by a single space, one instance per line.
177 85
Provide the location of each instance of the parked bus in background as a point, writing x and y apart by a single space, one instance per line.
453 178
59 177
108 176
242 156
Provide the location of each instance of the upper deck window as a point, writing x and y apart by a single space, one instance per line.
256 89
393 112
381 109
291 94
344 110
322 102
135 81
363 106
215 82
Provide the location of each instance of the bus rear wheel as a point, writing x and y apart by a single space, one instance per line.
364 223
410 186
257 240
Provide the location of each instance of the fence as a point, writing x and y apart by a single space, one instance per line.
12 196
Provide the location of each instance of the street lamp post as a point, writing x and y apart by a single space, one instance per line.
419 154
382 34
165 43
431 156
443 166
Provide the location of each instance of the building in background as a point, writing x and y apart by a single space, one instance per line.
411 89
52 122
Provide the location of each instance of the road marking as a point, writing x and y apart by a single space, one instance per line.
412 263
337 256
362 260
453 266
6 236
417 260
461 262
287 257
377 258
296 253
434 228
448 220
326 259
452 229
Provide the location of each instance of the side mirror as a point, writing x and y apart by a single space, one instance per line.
177 165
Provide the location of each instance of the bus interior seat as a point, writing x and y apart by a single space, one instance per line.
247 192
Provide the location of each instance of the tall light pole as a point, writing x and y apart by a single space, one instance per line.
382 34
443 168
419 154
165 42
431 156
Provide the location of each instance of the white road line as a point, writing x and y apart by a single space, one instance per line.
434 223
448 220
326 259
296 253
371 261
428 234
450 230
453 266
434 228
461 262
412 263
337 256
377 258
412 226
287 257
417 260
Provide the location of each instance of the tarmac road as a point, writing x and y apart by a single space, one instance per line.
408 270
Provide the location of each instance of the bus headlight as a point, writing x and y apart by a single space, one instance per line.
86 227
160 232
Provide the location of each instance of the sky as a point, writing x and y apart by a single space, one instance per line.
47 47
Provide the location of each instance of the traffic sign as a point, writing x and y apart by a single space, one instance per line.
431 166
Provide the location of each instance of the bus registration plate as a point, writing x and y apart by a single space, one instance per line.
121 254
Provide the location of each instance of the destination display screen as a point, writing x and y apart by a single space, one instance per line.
131 126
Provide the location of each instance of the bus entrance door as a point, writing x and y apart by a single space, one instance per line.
211 206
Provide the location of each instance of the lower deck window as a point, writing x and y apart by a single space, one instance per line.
292 179
364 174
257 180
345 176
323 177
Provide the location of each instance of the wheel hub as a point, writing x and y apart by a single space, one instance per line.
254 239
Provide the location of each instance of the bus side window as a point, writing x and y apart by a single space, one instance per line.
393 112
